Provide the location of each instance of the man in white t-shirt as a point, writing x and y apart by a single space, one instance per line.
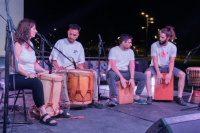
122 68
163 54
74 51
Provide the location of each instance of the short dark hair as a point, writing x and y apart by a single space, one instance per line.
124 37
75 27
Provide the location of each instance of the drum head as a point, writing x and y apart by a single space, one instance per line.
54 76
51 75
193 69
79 71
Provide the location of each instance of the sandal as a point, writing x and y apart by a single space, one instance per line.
64 114
48 120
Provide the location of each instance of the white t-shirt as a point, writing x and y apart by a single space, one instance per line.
163 53
26 60
122 57
74 51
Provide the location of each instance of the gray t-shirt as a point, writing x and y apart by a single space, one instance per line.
122 57
74 51
163 53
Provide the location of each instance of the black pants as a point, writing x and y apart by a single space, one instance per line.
35 84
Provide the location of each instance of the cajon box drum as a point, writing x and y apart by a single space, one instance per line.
125 95
164 91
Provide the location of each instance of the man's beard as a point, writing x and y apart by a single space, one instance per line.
126 48
162 42
71 40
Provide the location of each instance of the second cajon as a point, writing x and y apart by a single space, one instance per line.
125 95
164 91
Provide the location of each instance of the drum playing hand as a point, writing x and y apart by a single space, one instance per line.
123 82
60 68
32 75
167 78
159 78
132 83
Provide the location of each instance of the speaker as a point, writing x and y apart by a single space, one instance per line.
179 124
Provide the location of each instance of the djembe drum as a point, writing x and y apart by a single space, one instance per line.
80 85
193 76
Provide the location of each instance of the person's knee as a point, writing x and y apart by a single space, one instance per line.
111 75
181 74
148 74
143 76
37 84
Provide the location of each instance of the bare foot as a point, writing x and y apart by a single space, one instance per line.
61 111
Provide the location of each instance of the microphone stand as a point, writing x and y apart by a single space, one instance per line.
188 58
98 78
45 40
9 42
198 107
100 46
42 50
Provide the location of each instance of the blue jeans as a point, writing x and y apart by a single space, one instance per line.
112 78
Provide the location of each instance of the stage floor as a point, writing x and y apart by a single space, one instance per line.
126 118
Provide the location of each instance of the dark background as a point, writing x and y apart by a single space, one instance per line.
111 18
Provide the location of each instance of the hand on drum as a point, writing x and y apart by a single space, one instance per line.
44 72
132 83
32 75
60 68
167 78
159 78
123 82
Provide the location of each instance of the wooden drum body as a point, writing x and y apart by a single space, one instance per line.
52 86
164 91
80 85
193 76
125 95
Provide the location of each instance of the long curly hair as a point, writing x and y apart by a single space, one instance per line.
169 31
23 28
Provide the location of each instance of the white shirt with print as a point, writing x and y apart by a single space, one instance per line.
163 53
72 51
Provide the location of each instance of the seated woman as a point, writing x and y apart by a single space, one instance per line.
27 66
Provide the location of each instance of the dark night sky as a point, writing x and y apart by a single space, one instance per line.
110 18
